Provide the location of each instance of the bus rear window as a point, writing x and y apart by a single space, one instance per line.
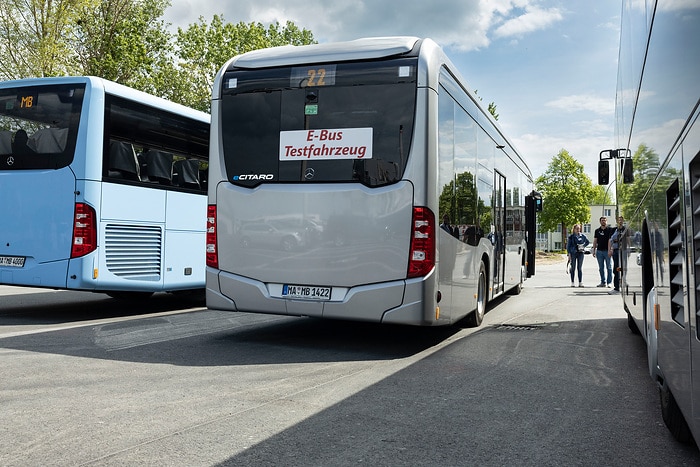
340 122
38 126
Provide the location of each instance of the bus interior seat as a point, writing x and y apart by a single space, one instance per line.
187 173
159 166
5 142
123 162
48 140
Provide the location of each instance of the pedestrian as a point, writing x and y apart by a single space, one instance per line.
575 249
601 241
616 246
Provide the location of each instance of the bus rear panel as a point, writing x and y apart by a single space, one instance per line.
324 199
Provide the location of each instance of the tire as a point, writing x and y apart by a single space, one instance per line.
673 417
476 317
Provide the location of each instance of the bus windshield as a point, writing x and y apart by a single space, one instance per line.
344 122
39 125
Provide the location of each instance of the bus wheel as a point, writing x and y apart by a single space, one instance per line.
129 296
673 417
475 318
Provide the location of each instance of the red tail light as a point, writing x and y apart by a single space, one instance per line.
421 258
84 230
212 252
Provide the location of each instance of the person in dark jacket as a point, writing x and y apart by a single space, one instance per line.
575 250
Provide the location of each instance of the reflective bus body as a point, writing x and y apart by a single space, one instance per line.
332 167
657 111
101 188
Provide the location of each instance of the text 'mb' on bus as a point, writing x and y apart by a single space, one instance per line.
103 188
332 169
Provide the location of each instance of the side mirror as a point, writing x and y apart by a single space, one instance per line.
603 172
627 171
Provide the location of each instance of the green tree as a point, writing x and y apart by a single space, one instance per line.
202 49
646 164
491 107
566 192
601 195
122 40
492 110
34 37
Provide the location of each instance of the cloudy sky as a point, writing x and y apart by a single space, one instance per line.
550 66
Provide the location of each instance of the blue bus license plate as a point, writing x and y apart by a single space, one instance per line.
12 261
307 292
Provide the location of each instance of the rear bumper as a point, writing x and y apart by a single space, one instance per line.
397 302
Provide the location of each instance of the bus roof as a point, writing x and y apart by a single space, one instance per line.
365 48
112 87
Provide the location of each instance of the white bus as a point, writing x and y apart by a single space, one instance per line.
101 188
657 112
331 169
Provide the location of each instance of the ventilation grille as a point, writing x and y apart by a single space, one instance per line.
676 252
134 251
695 209
518 327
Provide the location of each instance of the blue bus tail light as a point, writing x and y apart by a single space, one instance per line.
84 230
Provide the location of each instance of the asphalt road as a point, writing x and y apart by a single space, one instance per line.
552 377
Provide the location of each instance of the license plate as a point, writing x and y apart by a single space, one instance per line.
12 261
308 292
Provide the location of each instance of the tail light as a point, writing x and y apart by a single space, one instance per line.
212 252
421 258
84 230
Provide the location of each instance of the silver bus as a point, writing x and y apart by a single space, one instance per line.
361 180
657 112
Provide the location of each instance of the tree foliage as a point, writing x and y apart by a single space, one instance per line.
202 49
127 41
646 165
566 193
121 40
33 37
602 195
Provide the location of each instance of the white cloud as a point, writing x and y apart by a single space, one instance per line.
584 102
534 19
461 24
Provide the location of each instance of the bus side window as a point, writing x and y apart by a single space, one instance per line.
123 163
159 166
187 171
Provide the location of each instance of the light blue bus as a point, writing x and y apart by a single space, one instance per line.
103 188
333 167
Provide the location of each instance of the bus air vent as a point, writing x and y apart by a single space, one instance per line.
134 251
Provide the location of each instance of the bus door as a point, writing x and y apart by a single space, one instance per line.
498 238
